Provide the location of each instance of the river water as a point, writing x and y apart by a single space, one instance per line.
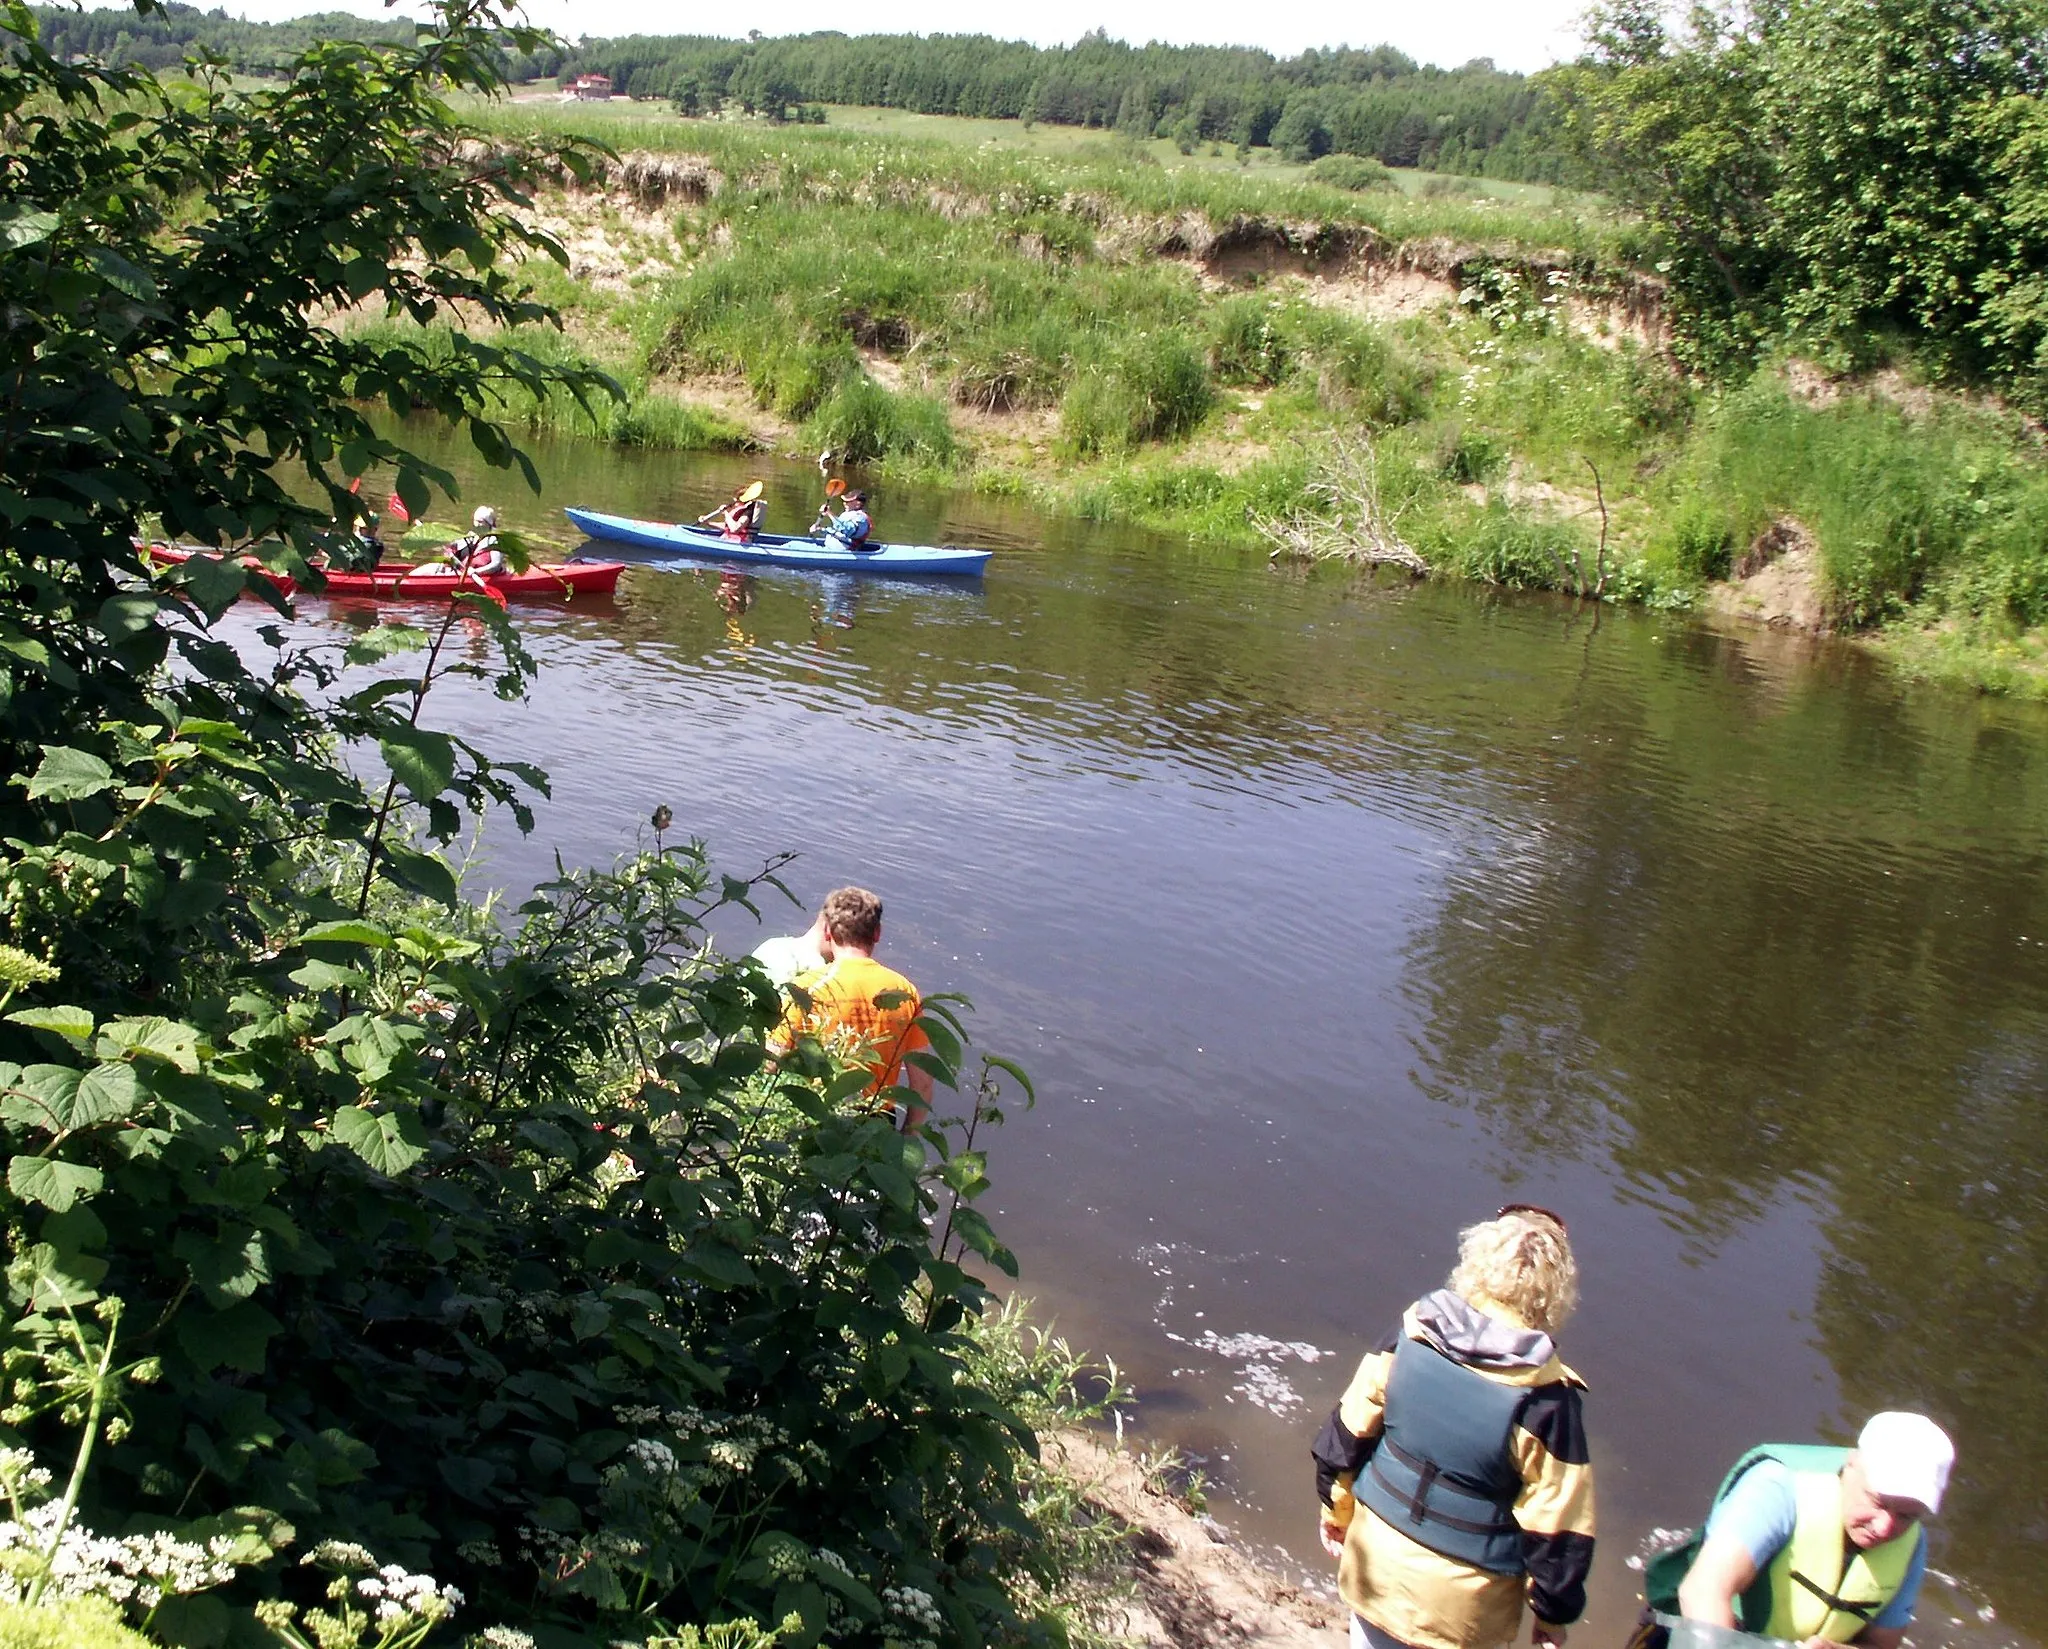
1329 914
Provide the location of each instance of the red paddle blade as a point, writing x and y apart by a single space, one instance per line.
355 487
835 486
396 506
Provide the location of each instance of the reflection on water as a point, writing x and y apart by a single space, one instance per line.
1325 912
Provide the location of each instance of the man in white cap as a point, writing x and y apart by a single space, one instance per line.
1823 1545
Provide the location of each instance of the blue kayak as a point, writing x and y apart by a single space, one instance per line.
778 549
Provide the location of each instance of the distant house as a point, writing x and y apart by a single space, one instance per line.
594 88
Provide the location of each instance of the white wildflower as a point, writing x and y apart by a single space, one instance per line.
656 1457
503 1637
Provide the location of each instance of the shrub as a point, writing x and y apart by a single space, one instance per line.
1511 549
1699 541
1151 388
1469 456
1361 174
862 421
1247 341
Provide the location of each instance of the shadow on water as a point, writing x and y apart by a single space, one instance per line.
1328 912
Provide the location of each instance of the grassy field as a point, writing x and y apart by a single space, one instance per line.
1181 341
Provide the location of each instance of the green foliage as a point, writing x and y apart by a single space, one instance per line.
1358 173
491 1249
74 1623
1848 172
1153 387
862 422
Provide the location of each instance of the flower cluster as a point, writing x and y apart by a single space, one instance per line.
403 1598
143 1569
917 1610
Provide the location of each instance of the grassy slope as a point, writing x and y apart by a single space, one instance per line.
966 300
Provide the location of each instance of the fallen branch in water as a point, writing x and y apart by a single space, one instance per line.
1354 522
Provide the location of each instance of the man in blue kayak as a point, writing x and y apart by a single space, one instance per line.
1822 1545
849 529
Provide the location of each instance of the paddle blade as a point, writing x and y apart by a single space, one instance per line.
396 507
835 486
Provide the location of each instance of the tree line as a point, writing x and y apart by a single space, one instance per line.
1375 101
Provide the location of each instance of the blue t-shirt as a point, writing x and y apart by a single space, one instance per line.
849 527
1762 1509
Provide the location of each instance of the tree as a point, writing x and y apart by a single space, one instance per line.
1676 127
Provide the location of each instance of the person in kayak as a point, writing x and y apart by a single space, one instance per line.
858 1007
850 528
359 549
476 552
1822 1545
1454 1476
741 518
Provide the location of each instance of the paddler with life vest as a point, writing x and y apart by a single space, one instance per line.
1456 1487
1821 1545
741 518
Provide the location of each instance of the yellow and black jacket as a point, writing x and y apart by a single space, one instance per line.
1457 1463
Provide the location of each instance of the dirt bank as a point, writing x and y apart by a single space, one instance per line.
1194 1589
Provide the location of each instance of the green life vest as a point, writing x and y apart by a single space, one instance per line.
1821 1585
1817 1585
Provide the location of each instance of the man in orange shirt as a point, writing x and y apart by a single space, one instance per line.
858 1007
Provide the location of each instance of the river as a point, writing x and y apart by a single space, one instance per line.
1328 914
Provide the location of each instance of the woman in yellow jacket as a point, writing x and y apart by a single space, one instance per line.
1456 1486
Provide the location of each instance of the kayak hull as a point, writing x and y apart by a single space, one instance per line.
401 583
779 549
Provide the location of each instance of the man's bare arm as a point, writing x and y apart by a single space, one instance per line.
1722 1572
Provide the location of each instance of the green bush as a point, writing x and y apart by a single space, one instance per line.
1510 549
1358 173
1468 456
1151 388
862 421
1699 541
477 1242
1248 341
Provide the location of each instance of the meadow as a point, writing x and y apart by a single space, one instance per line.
1112 327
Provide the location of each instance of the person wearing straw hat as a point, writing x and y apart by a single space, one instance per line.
1821 1545
1456 1486
740 519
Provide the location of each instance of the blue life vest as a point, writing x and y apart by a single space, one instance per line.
1442 1472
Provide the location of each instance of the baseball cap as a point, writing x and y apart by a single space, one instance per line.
1906 1457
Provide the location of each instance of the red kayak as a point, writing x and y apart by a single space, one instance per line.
403 583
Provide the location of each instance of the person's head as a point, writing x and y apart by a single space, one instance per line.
485 518
854 500
1896 1476
1520 1259
852 917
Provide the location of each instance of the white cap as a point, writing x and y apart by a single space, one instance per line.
1906 1457
485 517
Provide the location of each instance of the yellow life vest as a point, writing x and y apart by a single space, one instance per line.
1817 1575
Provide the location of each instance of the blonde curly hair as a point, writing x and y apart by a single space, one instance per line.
1521 1260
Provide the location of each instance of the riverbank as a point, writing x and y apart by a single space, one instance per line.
1203 352
1190 1586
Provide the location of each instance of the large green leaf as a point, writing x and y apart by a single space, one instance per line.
228 1266
73 1024
67 775
388 1141
152 1038
22 225
54 1184
423 761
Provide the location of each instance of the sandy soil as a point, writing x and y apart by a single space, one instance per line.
1194 1589
1778 581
